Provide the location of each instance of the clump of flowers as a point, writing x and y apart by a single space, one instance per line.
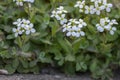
60 14
21 2
23 27
96 7
106 25
74 28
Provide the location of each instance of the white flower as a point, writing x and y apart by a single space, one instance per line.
23 27
97 9
81 23
30 29
68 33
90 9
54 14
59 14
112 31
82 33
62 19
100 28
19 2
80 5
112 22
18 22
61 10
107 7
25 23
17 31
106 25
74 28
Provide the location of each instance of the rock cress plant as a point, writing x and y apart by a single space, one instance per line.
73 27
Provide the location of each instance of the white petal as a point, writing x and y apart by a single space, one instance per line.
110 5
86 12
77 34
80 25
73 34
82 33
14 29
68 34
100 29
108 9
20 32
98 12
27 32
114 28
16 34
33 30
31 25
112 32
64 29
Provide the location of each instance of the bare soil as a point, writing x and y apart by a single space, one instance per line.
53 76
47 77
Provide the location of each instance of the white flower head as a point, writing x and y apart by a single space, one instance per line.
106 25
80 5
18 22
60 14
89 9
74 28
63 20
23 27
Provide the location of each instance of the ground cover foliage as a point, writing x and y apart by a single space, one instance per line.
96 52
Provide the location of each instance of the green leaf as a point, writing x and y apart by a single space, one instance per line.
15 63
70 57
26 47
46 18
24 62
10 36
33 63
10 69
44 58
76 45
94 65
69 68
65 46
84 43
46 41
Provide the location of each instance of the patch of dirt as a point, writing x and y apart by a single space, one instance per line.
51 75
48 77
42 77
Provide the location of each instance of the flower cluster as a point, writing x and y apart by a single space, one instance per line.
59 14
80 5
106 25
95 8
74 28
23 27
20 2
